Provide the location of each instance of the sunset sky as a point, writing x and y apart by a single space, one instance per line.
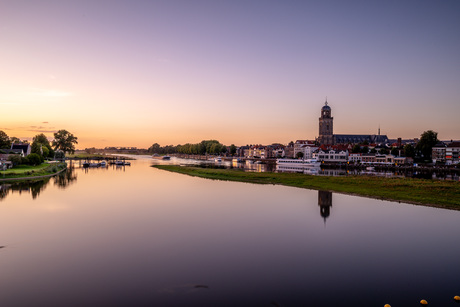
132 73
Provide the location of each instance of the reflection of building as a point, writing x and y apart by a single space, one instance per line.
325 203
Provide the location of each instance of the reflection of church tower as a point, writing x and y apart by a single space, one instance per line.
326 136
325 203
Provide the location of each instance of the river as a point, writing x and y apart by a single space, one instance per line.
139 236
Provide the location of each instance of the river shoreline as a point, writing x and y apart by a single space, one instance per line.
31 177
432 193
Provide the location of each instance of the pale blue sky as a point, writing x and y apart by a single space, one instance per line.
136 72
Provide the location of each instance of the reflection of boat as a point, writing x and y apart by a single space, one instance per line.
238 160
166 158
259 162
370 168
298 162
122 163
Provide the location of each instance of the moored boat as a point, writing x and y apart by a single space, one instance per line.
299 162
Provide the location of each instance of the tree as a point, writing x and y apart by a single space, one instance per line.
59 155
46 152
65 141
39 143
356 149
395 151
409 151
300 155
15 140
15 159
34 159
384 151
155 148
5 141
365 149
232 149
428 139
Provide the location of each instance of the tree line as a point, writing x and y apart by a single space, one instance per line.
211 147
41 148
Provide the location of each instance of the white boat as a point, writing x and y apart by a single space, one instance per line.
218 159
298 162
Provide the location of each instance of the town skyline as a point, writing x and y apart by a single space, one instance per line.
133 73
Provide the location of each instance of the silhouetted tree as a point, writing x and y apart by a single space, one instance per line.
427 140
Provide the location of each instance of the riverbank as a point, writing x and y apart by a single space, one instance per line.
25 172
434 193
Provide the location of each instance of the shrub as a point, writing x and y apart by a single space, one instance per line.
15 159
59 155
34 159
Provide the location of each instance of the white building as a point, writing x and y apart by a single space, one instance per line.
331 156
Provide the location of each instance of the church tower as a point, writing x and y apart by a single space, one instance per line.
326 136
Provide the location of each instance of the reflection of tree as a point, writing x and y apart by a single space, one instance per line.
37 187
34 187
4 190
325 203
66 178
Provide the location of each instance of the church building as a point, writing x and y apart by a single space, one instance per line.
326 136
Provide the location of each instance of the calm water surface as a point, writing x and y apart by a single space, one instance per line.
138 236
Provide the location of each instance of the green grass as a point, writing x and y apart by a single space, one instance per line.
436 193
24 171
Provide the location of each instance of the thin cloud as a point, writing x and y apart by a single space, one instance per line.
45 122
43 130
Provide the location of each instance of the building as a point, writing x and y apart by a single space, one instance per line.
326 136
303 146
452 153
329 156
23 149
326 128
438 153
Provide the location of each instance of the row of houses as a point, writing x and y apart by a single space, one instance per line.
340 154
446 153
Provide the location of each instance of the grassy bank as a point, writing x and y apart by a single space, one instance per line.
25 171
436 193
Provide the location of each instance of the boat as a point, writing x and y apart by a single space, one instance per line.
218 159
298 162
166 157
103 163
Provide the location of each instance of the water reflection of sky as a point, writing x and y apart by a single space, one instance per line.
146 237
